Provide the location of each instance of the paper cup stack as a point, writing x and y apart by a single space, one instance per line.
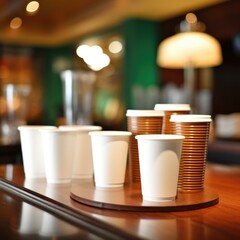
195 128
170 109
141 122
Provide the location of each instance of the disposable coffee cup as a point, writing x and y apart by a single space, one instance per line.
82 162
32 151
141 122
169 109
59 146
160 156
110 150
195 128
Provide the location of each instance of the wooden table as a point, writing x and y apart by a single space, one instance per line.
221 221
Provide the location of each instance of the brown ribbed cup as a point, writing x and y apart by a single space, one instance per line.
196 129
140 122
170 109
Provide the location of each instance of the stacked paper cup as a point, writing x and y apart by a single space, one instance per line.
141 122
168 110
196 129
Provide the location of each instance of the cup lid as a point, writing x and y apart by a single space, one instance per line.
35 127
190 118
110 133
57 130
81 128
172 107
159 136
144 113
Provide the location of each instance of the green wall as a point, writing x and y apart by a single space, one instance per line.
139 65
140 68
56 60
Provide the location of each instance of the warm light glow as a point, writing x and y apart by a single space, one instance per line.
32 7
99 62
16 23
82 50
191 18
115 47
96 50
93 56
189 48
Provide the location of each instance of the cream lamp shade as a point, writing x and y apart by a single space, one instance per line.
196 49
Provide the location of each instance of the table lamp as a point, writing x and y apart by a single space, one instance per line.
189 49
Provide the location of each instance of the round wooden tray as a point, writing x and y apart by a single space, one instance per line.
129 198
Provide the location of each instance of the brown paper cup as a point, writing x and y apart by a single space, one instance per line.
170 109
140 122
196 129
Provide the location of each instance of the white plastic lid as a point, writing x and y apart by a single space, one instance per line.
35 127
110 133
159 137
190 118
172 107
144 113
81 128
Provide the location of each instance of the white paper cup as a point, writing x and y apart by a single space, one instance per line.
32 151
159 156
110 150
59 146
83 163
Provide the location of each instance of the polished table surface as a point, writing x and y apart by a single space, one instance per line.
220 221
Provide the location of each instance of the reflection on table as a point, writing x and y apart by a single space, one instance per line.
220 221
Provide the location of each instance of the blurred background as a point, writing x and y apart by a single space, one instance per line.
118 41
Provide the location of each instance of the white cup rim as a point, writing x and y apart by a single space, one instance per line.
35 127
158 137
144 113
172 107
81 128
57 130
108 133
190 118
